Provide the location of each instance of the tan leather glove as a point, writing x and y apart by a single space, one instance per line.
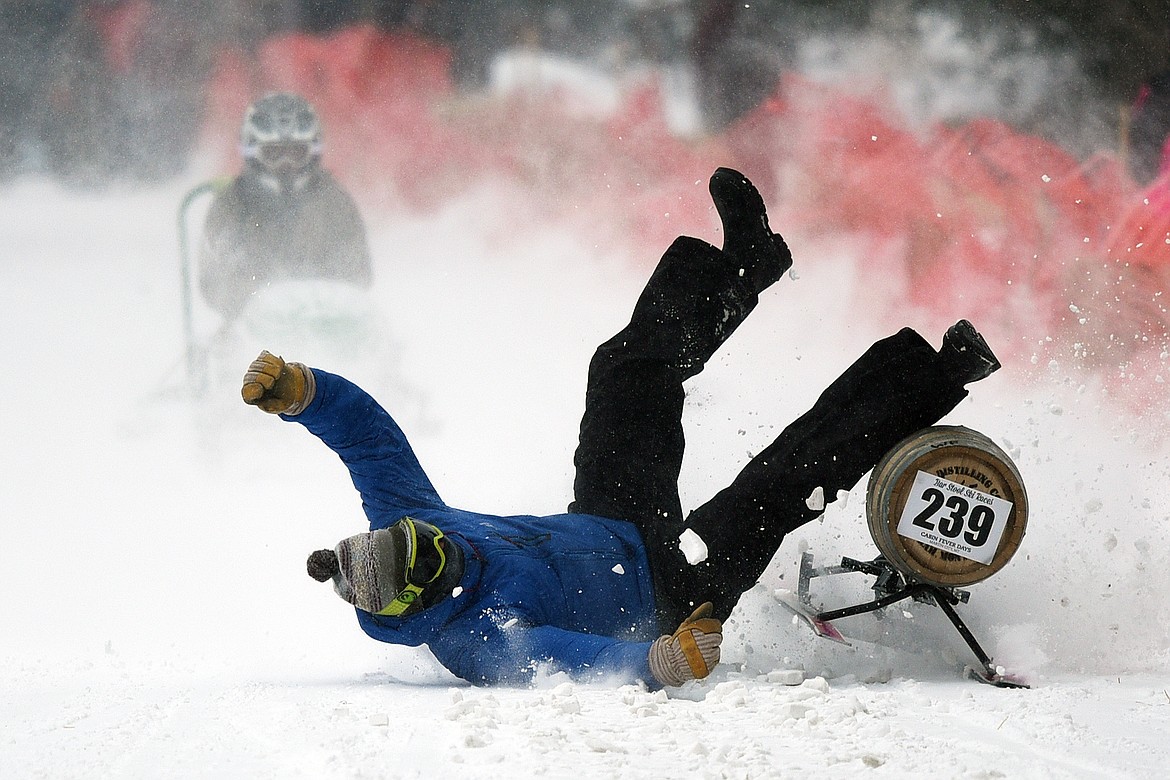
691 652
278 387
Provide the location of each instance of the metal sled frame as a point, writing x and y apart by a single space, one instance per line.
196 357
891 586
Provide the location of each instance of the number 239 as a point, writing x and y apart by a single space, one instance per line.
976 521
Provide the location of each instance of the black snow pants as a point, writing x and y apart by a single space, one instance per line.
631 442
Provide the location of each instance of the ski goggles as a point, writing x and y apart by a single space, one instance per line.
418 534
283 154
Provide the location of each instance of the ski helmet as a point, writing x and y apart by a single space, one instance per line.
281 133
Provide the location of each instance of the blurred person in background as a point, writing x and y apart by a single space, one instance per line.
29 34
284 216
99 91
1149 130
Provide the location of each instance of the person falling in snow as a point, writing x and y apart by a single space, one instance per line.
605 592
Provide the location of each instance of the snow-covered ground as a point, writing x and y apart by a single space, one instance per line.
157 622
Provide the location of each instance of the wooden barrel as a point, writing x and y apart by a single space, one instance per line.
947 506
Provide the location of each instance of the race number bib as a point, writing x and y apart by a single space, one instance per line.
954 517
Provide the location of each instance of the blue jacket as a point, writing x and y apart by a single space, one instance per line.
567 592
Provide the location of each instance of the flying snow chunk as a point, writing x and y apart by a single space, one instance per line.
692 546
816 501
618 569
786 676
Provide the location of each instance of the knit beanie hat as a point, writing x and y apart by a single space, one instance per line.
371 567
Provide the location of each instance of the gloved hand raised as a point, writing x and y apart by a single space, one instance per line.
278 387
691 652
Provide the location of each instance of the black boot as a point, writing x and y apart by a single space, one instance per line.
965 354
747 240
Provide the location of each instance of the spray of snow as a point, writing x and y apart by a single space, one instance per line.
158 621
159 615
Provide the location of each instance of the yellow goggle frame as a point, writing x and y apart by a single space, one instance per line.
410 593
